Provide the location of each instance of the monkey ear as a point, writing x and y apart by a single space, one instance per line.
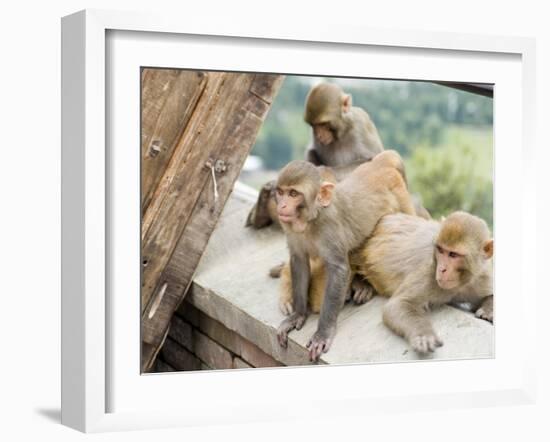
488 249
325 193
346 103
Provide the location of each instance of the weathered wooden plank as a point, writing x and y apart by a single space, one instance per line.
211 353
266 86
177 192
179 357
216 116
181 332
234 120
193 138
222 335
239 363
163 367
188 313
148 353
168 99
153 98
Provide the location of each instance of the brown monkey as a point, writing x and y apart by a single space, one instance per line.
344 136
324 220
421 264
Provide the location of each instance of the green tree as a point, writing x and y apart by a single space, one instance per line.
447 180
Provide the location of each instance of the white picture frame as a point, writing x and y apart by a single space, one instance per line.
89 361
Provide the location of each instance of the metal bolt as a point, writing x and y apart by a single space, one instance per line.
220 166
155 148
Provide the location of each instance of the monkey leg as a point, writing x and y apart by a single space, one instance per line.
316 292
263 213
360 290
409 320
485 310
285 291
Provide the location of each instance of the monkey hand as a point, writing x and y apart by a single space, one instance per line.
294 321
485 313
259 216
319 343
361 290
426 343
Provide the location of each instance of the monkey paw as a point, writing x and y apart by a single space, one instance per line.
363 294
259 217
486 314
286 307
361 291
294 321
425 343
318 344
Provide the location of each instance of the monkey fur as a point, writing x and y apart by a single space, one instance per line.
326 221
406 259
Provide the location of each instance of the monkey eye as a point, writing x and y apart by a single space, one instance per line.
453 255
439 249
280 191
293 193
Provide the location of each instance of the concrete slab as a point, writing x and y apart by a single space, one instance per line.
232 286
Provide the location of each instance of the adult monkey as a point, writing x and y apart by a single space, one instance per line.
326 221
420 263
344 136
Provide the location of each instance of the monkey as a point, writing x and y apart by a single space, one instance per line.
344 136
419 264
326 220
358 290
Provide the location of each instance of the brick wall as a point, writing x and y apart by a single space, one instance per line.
198 342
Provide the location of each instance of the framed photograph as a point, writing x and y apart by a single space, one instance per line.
173 138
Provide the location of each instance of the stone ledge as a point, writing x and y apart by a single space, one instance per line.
232 286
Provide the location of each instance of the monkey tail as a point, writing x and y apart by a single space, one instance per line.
275 272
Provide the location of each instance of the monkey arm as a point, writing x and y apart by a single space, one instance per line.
406 316
485 309
338 279
263 212
313 157
300 274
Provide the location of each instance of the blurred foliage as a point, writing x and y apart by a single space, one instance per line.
456 175
444 134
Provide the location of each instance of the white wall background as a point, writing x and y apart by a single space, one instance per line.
30 216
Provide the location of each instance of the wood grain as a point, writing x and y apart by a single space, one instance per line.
168 98
183 210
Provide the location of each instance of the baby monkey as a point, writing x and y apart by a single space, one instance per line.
323 220
420 264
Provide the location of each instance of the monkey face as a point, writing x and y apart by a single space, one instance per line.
290 205
323 133
463 246
450 267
